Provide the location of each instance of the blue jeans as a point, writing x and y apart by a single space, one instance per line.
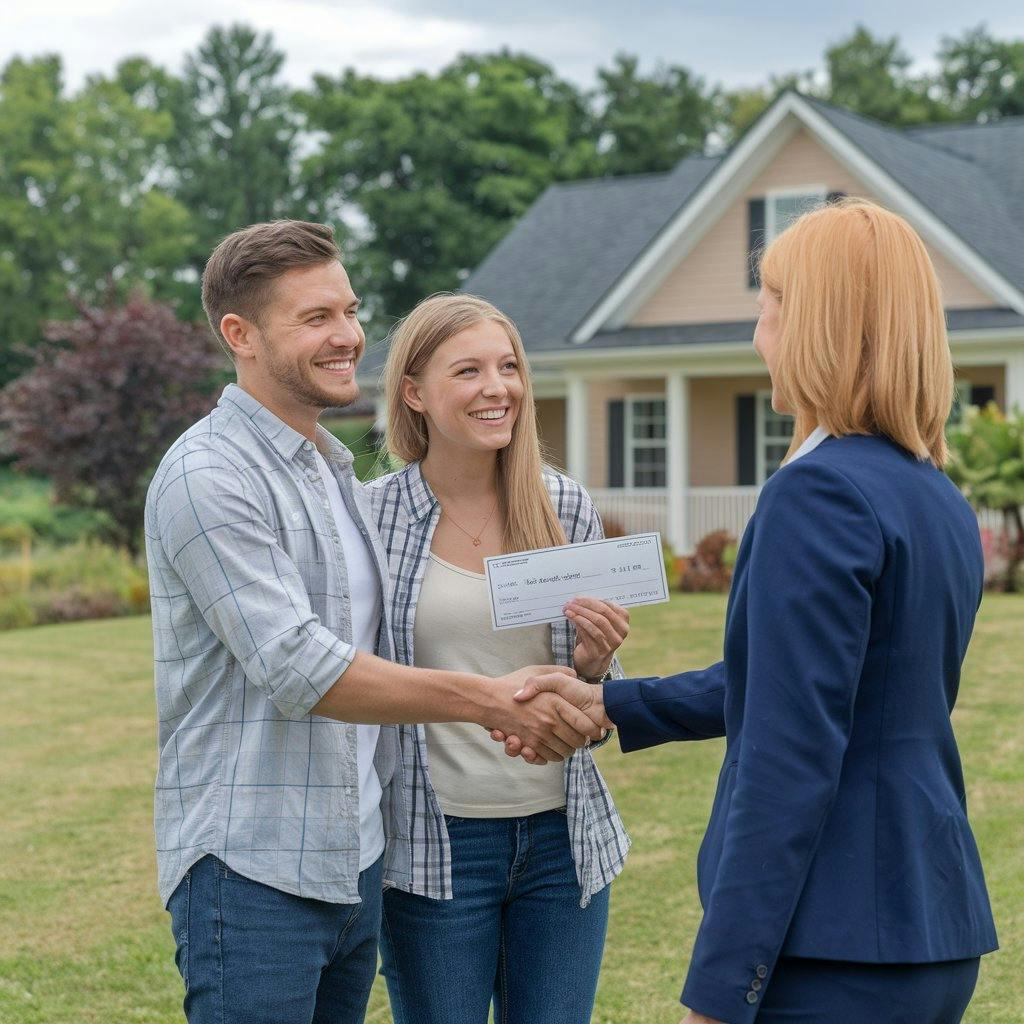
514 931
250 953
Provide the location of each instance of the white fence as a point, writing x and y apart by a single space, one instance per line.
642 510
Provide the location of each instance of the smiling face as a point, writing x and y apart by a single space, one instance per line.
471 390
304 350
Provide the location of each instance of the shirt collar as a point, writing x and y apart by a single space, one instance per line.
287 441
416 493
813 439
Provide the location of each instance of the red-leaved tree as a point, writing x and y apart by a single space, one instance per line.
105 397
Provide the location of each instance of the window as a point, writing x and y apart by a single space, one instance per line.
774 433
782 207
646 443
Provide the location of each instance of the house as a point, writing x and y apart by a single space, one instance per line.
635 299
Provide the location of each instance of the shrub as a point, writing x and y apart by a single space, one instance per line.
81 581
709 569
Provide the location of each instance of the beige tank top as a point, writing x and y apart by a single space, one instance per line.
471 774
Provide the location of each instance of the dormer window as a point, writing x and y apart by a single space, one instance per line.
783 206
770 215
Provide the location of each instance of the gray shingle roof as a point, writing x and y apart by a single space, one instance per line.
743 330
955 186
574 243
578 239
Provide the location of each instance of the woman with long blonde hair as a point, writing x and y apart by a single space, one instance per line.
508 896
839 876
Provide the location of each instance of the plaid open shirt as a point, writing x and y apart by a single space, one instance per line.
407 513
252 625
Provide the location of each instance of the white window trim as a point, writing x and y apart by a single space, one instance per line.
629 442
819 192
760 436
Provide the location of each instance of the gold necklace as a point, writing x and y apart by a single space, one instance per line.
476 539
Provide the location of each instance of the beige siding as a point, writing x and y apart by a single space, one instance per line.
992 376
710 285
713 427
551 427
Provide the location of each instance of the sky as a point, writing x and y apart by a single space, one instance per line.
728 42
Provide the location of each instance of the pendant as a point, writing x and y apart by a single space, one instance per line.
476 542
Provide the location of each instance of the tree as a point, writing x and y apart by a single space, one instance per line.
433 170
650 124
80 212
871 75
233 151
987 463
982 78
107 394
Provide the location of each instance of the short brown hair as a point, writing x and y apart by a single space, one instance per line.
241 269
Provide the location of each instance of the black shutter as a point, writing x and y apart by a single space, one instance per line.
617 444
834 197
982 394
755 240
746 440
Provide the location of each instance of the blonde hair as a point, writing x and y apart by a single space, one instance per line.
530 519
862 345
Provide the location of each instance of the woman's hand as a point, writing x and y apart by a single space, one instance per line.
601 627
698 1018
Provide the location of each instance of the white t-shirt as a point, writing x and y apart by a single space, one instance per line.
364 590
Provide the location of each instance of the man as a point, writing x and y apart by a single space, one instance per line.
276 786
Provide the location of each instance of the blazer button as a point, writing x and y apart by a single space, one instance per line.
756 985
761 971
751 997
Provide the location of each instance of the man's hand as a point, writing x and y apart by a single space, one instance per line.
586 697
698 1018
601 628
549 724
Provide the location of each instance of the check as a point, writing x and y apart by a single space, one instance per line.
532 587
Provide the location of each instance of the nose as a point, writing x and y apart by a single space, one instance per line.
494 386
349 334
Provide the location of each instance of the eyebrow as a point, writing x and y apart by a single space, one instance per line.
311 310
474 359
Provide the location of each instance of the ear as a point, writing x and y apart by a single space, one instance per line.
411 394
238 333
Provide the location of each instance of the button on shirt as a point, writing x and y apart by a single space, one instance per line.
364 595
252 625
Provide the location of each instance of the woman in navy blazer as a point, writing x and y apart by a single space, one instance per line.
839 877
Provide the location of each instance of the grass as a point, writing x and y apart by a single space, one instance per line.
83 938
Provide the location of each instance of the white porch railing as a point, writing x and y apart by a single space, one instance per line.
643 510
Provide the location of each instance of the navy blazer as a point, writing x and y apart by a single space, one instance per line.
839 828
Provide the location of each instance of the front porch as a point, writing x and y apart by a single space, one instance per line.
685 450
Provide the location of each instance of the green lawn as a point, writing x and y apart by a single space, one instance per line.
84 939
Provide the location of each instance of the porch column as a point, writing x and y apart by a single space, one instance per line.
677 408
1015 382
576 427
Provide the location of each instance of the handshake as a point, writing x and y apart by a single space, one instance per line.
543 713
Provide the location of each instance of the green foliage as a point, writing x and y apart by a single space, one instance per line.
28 502
359 436
87 580
650 123
987 464
81 213
438 167
982 78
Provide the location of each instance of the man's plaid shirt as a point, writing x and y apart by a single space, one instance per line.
407 513
251 627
